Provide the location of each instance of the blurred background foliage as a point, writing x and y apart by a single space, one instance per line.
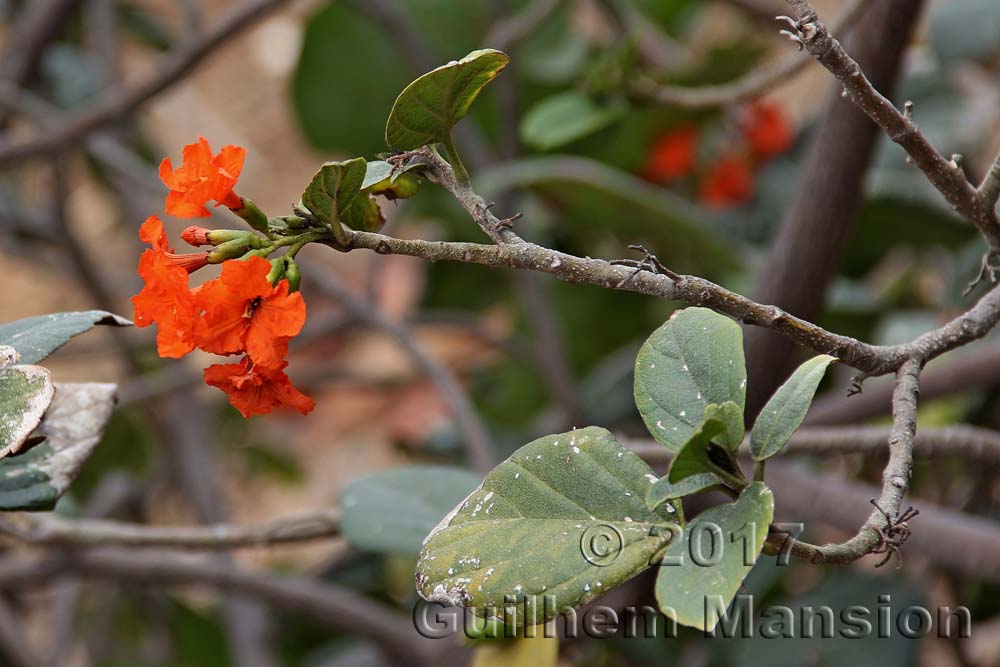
558 138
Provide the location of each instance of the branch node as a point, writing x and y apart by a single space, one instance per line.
893 535
649 262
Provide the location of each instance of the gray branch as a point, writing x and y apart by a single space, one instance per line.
53 530
945 174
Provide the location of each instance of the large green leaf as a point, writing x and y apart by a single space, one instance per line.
72 427
566 117
664 490
393 510
334 189
428 108
25 394
787 408
564 517
693 360
702 571
37 337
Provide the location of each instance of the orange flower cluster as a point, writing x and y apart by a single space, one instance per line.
728 178
240 312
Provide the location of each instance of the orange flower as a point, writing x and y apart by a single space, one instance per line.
767 130
256 390
165 299
673 155
728 182
244 312
202 177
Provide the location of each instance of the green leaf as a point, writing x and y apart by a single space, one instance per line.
702 571
693 360
565 516
393 510
566 117
25 394
664 490
700 454
786 409
37 337
693 459
377 171
35 479
334 190
428 108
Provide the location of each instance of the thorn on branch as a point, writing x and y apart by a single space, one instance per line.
856 385
507 223
649 262
989 271
893 535
908 109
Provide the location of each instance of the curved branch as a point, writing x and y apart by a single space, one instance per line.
895 480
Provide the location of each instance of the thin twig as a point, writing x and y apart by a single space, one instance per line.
945 174
751 85
516 27
118 102
53 530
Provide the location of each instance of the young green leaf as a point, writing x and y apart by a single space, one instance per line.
73 425
700 454
663 489
560 522
393 510
691 361
692 459
565 117
37 337
428 108
25 394
334 189
787 408
702 571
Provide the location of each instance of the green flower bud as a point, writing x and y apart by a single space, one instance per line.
237 247
293 274
252 215
277 272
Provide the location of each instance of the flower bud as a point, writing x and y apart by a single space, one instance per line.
277 272
235 248
293 274
252 215
199 236
189 262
